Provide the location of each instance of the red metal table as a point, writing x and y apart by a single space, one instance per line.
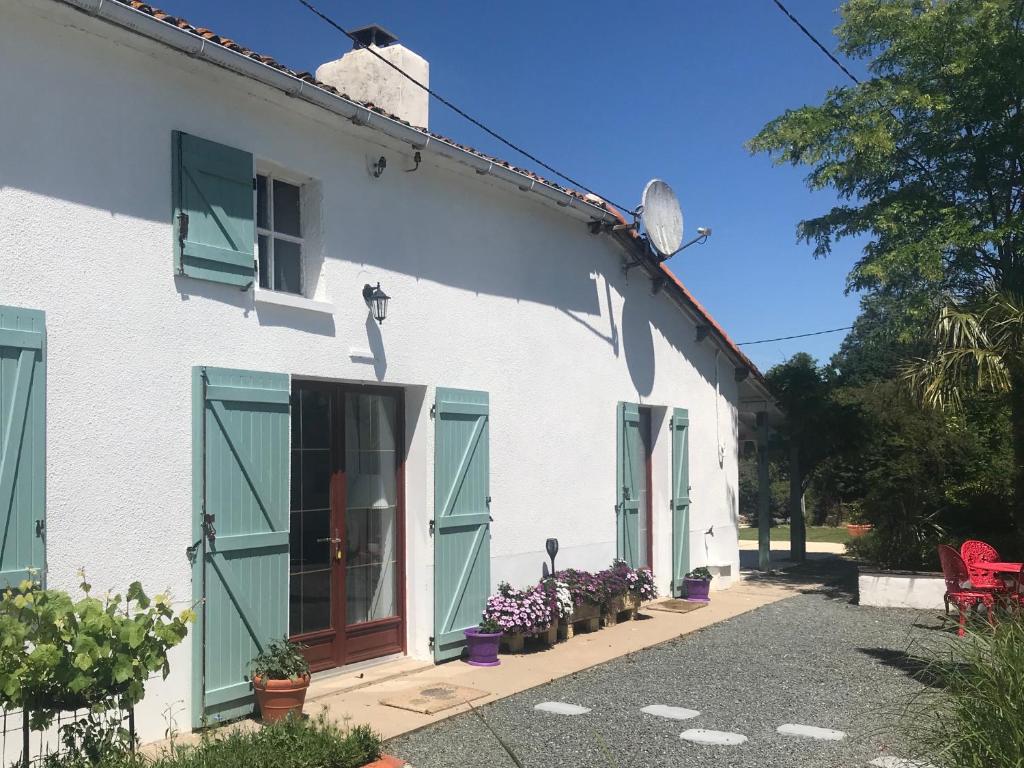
1010 573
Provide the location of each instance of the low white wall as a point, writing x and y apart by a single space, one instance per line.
902 590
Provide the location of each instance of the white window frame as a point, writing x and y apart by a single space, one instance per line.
270 234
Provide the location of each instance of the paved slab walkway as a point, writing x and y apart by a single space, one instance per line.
358 699
815 666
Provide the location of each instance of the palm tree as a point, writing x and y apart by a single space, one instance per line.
978 347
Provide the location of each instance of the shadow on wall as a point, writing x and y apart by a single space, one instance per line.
638 342
376 342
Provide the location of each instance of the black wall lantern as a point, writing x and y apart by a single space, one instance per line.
377 301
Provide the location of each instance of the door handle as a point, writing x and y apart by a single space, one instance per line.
328 540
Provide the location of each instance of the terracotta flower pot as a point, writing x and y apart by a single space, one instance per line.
279 698
857 529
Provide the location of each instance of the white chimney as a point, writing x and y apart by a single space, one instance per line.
364 77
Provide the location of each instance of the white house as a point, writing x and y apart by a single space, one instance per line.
187 232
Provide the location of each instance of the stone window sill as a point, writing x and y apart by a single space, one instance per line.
281 299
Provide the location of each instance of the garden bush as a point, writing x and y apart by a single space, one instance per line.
972 713
58 654
289 743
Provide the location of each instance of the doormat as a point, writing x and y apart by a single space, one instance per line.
432 697
674 606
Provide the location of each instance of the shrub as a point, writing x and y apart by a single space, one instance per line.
701 573
283 660
901 542
289 743
976 717
57 654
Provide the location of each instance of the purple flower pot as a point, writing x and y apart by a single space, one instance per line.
482 647
697 589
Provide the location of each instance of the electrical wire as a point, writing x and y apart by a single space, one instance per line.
814 40
462 113
797 336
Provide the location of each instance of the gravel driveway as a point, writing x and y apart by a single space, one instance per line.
813 659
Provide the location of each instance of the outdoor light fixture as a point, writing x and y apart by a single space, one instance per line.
377 301
551 545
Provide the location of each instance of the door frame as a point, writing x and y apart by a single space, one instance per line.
341 636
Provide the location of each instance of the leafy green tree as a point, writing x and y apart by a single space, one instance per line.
927 158
817 426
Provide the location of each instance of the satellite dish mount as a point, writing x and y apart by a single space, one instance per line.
661 217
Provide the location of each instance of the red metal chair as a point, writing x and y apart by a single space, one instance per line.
959 590
973 551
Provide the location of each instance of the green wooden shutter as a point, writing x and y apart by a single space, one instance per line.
630 473
680 498
214 230
240 464
462 522
22 445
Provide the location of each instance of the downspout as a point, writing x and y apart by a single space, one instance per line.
197 47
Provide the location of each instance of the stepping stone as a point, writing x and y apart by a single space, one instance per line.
672 713
810 732
716 738
888 761
561 708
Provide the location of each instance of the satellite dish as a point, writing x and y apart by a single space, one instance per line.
662 217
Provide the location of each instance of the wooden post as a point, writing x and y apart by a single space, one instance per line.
764 519
797 527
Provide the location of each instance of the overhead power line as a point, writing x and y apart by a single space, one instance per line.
813 39
797 336
489 131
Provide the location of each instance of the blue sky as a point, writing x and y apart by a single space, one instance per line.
614 94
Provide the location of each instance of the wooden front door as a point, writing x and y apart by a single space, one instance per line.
347 600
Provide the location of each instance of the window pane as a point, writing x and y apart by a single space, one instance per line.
286 209
261 202
263 248
287 266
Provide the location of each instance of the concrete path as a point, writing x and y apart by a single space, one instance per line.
357 699
812 681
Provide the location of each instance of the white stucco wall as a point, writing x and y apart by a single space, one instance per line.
490 289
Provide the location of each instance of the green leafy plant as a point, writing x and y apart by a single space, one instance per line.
971 714
701 573
282 660
58 654
290 743
489 626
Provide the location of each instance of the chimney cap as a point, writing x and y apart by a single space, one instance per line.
372 34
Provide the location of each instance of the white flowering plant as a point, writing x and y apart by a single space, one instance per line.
560 597
641 582
517 611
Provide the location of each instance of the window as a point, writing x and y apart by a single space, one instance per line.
279 234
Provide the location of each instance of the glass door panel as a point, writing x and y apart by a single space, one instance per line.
371 472
310 571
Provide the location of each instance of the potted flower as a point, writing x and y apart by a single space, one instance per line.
521 614
482 643
280 677
698 583
641 584
587 593
625 588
